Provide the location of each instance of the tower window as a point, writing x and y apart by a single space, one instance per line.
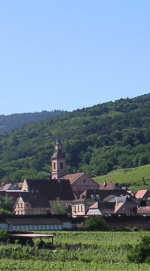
61 165
54 165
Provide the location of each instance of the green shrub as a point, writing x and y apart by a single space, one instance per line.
95 224
141 252
3 235
135 229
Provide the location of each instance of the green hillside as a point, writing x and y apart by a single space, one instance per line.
7 123
96 140
133 178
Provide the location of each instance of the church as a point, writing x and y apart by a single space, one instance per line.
78 191
39 196
78 181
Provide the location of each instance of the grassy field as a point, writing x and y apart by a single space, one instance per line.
99 251
72 265
133 178
101 239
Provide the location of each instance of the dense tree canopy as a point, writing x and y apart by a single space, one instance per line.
6 205
95 140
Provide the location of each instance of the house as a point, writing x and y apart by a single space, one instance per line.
31 203
79 208
104 202
12 194
103 208
7 186
18 186
142 194
80 182
94 210
144 211
35 223
126 207
108 186
10 186
148 202
100 195
52 189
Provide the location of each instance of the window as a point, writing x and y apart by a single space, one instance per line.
43 227
47 227
39 227
61 165
54 165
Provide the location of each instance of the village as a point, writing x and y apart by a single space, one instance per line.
65 199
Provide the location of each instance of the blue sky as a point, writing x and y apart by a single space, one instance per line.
70 54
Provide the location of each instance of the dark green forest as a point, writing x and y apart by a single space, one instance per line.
96 140
14 121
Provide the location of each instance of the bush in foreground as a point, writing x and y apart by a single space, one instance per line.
95 224
141 252
3 235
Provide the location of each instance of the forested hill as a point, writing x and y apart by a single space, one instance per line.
95 140
14 121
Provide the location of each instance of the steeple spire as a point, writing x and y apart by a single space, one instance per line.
58 140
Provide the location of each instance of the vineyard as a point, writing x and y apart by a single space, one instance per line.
98 251
134 178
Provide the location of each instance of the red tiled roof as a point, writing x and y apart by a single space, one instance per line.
94 210
141 193
107 186
6 186
73 177
118 206
102 194
144 210
103 207
94 206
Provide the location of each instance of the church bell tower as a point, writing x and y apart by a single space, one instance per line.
58 161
